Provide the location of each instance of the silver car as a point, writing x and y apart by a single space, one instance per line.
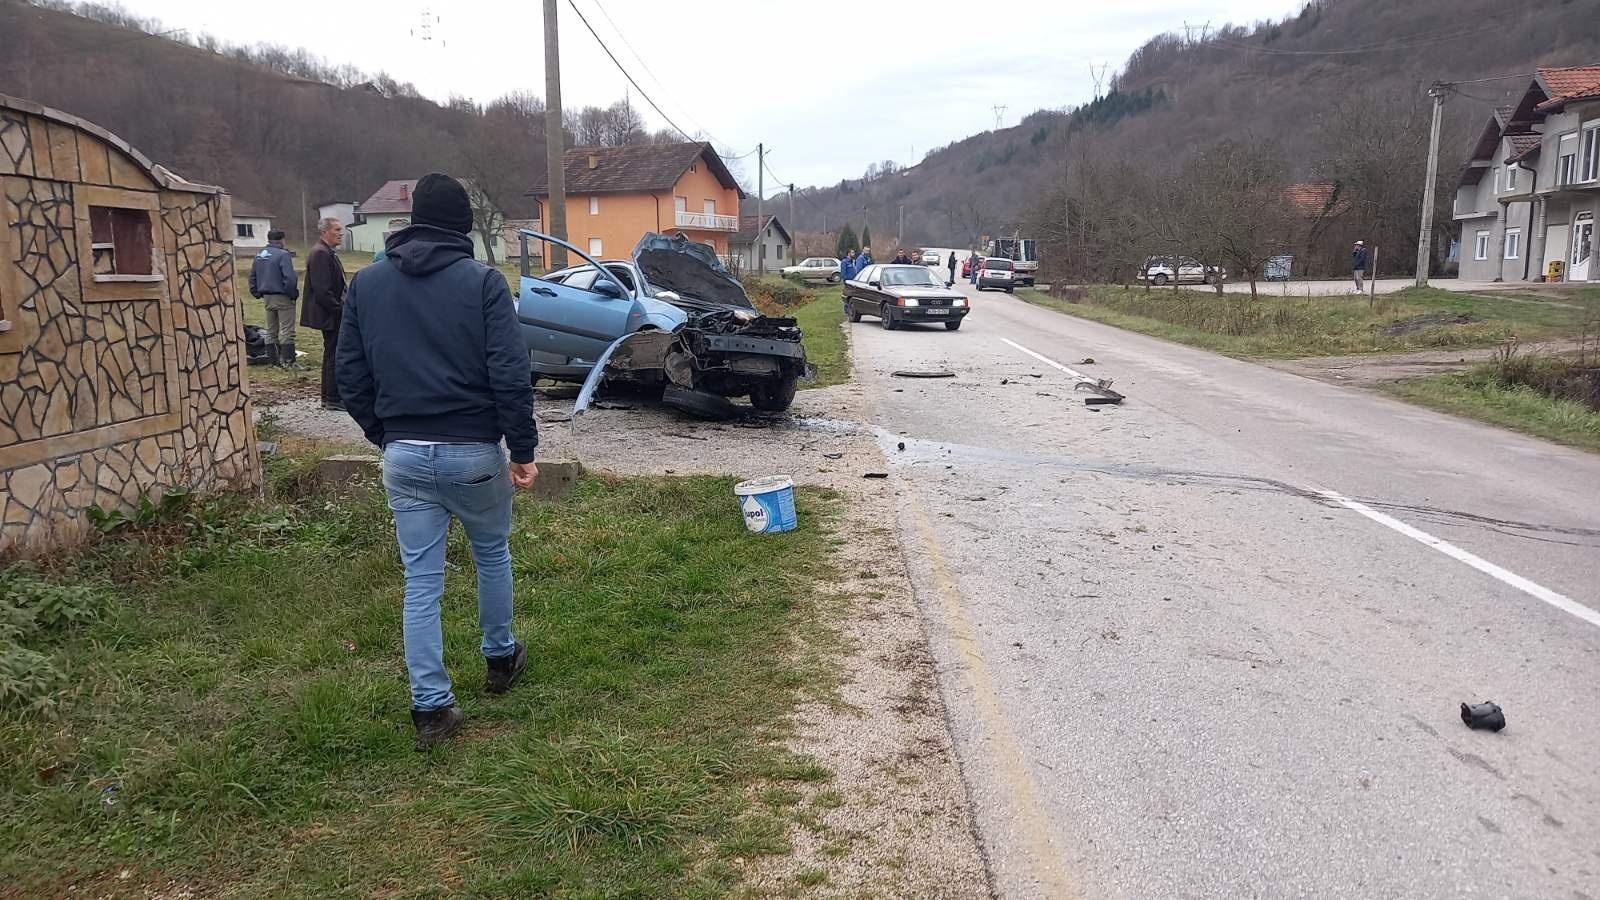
997 272
816 268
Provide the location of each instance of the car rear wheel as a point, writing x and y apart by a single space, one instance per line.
776 396
1160 279
952 325
834 278
886 318
851 312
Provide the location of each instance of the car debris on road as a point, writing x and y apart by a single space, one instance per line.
1485 716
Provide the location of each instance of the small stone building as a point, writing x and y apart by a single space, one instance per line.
122 367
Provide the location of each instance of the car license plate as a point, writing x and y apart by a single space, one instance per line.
938 312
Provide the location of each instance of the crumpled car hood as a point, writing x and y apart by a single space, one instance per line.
689 269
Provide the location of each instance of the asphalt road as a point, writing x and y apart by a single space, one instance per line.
1212 642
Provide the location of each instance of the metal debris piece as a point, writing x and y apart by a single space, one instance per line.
1087 361
935 373
876 475
902 446
1102 388
833 455
1485 716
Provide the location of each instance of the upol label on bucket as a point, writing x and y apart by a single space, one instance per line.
767 503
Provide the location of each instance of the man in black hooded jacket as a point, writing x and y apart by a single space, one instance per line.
433 368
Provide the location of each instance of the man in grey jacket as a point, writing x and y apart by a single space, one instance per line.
273 282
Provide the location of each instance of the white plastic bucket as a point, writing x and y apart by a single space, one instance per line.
767 504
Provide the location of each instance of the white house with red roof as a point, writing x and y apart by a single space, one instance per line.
1530 195
388 210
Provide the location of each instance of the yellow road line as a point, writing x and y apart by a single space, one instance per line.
1031 823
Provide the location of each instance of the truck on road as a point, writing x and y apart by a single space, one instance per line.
1023 253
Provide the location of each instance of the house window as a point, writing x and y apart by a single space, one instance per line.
1513 243
244 229
763 250
1511 178
1498 180
1567 159
710 207
778 252
1481 249
1590 170
121 242
594 205
680 204
594 248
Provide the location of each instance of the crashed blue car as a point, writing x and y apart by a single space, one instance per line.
672 319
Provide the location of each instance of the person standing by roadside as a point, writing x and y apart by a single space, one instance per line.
1358 260
274 283
434 370
324 304
977 263
847 266
952 264
864 260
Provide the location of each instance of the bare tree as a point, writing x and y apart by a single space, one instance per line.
1237 210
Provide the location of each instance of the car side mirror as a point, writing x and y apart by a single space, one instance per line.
609 289
874 284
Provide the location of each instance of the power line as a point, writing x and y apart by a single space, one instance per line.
659 83
642 92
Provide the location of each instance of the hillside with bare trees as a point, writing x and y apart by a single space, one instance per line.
1335 94
276 125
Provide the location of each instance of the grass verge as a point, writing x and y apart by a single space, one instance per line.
827 345
1288 327
1481 394
234 717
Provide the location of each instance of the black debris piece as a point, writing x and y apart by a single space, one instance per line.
1485 716
833 455
902 446
1087 361
876 475
935 373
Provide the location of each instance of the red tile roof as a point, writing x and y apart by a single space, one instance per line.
636 168
1311 199
244 209
1522 146
1566 85
393 197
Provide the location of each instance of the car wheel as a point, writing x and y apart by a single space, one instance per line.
1208 278
886 318
1010 291
702 404
776 396
833 279
851 312
953 325
1160 279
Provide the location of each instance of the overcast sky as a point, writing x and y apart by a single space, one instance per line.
828 85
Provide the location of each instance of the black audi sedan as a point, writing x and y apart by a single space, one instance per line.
900 294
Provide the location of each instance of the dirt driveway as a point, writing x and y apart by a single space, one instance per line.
1374 369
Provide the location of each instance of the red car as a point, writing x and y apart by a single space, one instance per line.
966 267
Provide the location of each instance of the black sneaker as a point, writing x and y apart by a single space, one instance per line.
505 670
435 726
334 405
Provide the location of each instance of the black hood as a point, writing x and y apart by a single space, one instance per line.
424 249
691 269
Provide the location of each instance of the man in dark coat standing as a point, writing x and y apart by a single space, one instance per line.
433 369
952 280
324 302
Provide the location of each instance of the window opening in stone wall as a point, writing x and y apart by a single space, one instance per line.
121 241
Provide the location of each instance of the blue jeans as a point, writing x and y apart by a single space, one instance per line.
427 485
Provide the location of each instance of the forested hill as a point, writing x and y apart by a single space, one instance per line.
271 124
1348 71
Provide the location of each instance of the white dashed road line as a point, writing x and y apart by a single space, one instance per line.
1505 576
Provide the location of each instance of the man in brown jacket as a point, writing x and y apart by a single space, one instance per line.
324 302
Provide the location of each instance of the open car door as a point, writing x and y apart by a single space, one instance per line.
577 320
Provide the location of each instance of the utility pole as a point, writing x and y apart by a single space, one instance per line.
900 234
791 204
761 189
555 140
305 227
1425 239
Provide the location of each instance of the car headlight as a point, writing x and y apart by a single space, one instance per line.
908 301
959 301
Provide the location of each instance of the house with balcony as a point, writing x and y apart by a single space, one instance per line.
617 194
1527 200
389 209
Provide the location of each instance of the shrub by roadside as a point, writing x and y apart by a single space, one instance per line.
776 296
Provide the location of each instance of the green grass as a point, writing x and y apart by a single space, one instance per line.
1480 394
237 723
1275 326
827 346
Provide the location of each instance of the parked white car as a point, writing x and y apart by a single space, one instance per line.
816 268
997 272
1158 270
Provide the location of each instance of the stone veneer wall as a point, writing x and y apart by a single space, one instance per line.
110 391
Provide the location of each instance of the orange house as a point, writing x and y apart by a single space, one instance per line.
616 194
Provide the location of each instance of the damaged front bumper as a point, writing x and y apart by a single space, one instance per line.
715 353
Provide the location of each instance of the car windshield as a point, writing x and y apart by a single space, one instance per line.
997 263
907 276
